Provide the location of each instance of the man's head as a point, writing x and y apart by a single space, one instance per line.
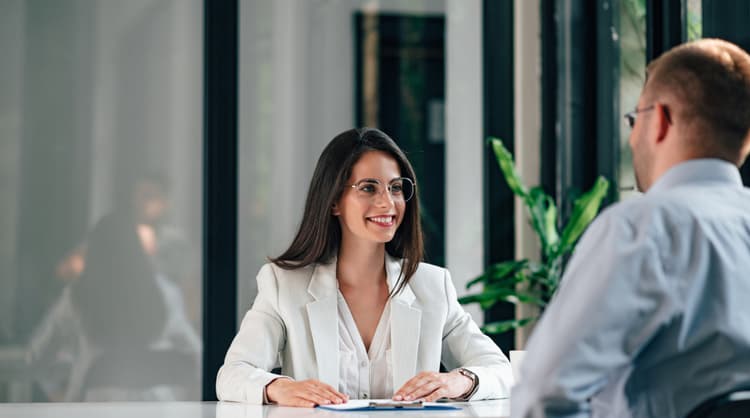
695 104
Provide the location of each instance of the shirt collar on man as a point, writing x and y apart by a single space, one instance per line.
698 171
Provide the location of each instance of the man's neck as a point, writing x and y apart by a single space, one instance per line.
669 159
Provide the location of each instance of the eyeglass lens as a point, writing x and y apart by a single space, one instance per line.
401 189
630 119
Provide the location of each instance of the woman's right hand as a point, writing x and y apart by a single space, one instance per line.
305 393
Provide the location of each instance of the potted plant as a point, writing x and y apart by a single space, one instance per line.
533 282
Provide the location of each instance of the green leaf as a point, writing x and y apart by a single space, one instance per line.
507 166
488 297
502 326
497 272
543 214
541 207
550 223
585 209
527 298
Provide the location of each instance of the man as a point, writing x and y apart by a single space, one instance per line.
653 315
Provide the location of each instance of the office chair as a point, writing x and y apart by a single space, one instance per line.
733 404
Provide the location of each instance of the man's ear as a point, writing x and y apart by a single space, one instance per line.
664 119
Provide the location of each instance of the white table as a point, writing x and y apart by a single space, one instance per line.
479 409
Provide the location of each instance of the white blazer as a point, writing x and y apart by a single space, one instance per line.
294 323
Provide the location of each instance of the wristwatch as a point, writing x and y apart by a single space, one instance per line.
474 384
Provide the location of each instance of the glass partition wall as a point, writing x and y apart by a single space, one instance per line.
100 226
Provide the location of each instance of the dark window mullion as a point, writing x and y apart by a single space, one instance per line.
665 26
219 186
497 50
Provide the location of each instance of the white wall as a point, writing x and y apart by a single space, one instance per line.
464 146
527 126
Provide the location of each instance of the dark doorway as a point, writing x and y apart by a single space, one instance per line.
400 88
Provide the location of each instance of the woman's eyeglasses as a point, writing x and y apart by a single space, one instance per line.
401 189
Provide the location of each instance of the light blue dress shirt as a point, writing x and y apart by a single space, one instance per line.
653 313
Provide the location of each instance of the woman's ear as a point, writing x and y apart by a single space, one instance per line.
335 210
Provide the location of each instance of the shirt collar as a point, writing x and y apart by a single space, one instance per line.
698 171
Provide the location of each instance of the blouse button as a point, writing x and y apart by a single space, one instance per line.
363 364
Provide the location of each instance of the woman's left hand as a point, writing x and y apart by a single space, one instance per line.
431 386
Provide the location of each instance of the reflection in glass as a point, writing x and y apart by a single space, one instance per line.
100 162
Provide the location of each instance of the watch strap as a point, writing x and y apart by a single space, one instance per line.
474 384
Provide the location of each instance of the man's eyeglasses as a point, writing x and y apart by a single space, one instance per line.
630 116
401 189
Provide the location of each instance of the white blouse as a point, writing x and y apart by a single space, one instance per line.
364 374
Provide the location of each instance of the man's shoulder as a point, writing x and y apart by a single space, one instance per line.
662 215
649 207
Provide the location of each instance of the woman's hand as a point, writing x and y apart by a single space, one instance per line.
305 393
431 386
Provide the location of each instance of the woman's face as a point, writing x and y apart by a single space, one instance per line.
369 212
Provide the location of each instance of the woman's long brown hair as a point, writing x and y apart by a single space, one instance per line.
319 234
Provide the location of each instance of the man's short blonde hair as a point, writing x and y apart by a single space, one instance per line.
710 81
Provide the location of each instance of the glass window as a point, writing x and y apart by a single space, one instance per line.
632 37
725 20
100 226
694 19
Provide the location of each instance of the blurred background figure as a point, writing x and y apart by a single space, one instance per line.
124 274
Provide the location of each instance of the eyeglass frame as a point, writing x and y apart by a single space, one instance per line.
631 116
387 187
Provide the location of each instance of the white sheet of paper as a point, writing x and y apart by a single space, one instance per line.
364 403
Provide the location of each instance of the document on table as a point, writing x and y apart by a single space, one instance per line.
387 404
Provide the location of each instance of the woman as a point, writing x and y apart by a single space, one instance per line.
349 309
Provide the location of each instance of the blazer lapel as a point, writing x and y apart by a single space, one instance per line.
405 328
323 316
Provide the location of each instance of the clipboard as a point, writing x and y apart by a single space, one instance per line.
389 405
